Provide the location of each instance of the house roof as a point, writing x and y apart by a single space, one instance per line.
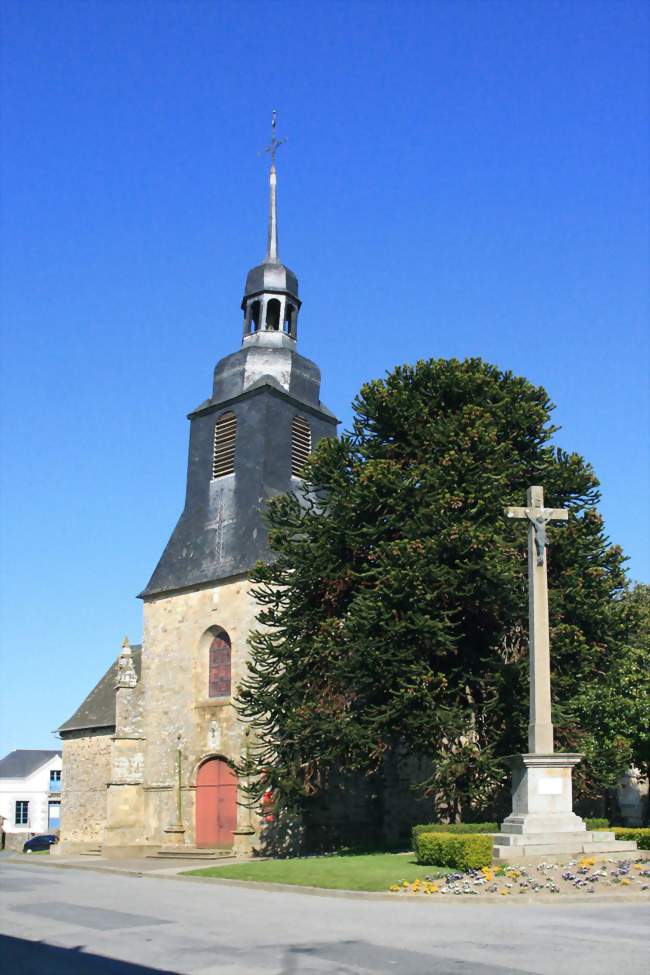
98 709
24 761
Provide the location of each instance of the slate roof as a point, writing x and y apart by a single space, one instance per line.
24 761
98 709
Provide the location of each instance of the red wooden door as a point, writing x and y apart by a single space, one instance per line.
216 804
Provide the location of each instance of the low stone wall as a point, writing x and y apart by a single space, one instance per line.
14 841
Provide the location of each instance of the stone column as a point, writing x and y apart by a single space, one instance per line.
540 729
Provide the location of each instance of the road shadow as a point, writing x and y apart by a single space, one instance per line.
38 958
354 956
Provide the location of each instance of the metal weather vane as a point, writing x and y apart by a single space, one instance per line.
275 143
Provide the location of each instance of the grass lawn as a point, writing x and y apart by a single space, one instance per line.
368 871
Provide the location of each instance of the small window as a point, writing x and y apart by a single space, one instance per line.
55 780
22 813
300 445
219 665
223 453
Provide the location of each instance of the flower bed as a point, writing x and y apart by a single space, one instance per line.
576 876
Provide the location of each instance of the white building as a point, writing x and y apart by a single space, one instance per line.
30 791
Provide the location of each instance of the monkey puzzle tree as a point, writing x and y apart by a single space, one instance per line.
393 615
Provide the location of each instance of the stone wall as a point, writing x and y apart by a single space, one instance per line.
85 775
179 714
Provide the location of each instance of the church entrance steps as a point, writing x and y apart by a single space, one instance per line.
190 853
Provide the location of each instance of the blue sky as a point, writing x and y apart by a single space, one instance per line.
461 179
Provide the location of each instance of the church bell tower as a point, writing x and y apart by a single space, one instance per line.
160 736
250 439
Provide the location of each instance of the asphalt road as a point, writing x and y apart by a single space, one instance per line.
76 922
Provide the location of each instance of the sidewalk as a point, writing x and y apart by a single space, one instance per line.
151 866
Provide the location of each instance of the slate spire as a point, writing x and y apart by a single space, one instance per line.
271 302
272 148
244 448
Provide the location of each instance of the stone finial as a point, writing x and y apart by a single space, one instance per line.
125 642
125 675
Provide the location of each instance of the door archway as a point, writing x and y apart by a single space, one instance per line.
216 804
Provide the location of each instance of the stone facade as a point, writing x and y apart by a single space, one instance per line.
178 629
122 789
86 772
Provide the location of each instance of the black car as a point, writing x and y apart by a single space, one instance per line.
40 843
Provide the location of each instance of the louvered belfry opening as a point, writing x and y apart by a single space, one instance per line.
300 445
223 455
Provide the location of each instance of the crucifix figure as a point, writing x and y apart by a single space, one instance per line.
540 729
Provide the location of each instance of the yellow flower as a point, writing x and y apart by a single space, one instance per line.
394 887
433 889
405 883
625 881
638 866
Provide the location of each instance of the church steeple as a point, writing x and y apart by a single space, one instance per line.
271 302
250 439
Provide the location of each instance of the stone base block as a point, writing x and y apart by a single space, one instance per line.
73 847
541 845
553 822
243 842
575 838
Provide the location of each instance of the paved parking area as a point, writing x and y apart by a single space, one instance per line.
82 922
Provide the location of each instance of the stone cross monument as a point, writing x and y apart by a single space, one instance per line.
540 729
542 821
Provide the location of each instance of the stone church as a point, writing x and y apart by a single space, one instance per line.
147 757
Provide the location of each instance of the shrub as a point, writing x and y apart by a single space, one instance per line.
455 828
464 852
640 835
597 823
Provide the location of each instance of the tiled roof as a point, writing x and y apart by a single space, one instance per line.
24 761
98 709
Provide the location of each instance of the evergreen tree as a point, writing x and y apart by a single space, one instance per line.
394 613
614 707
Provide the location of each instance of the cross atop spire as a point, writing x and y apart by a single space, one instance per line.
272 148
275 143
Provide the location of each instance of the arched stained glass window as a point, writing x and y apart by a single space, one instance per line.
219 664
223 454
300 445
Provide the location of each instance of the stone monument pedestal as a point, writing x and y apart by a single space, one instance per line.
542 821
